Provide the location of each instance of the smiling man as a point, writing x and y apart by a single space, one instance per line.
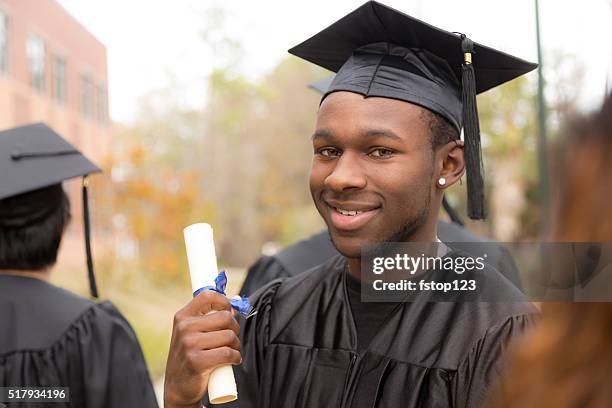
386 145
373 166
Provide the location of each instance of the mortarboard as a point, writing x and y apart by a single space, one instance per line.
34 159
378 51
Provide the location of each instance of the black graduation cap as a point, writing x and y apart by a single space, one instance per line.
379 51
34 159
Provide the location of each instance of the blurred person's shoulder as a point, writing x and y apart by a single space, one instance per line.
36 315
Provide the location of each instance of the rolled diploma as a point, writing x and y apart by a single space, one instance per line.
203 271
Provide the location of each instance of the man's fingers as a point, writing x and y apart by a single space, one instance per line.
209 323
211 340
210 300
202 304
199 361
204 336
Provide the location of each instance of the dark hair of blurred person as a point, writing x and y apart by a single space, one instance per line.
566 362
35 246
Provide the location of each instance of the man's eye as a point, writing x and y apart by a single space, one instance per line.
328 152
381 152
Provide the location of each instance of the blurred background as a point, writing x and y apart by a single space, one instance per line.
197 113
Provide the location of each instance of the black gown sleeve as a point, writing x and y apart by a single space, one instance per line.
114 369
477 373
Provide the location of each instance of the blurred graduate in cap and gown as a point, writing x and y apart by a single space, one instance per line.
386 145
50 337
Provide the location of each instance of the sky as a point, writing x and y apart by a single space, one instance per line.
155 44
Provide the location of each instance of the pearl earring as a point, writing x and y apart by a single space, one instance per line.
442 181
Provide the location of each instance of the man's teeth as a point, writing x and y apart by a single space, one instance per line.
347 212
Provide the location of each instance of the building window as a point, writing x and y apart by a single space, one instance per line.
3 42
36 56
102 106
59 79
87 96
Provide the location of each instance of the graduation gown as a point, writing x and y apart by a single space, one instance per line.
301 350
50 337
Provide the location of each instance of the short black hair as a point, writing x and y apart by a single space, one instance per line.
441 130
35 246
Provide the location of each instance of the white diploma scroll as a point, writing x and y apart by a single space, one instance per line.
203 270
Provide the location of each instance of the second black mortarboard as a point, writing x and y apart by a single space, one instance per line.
34 161
377 51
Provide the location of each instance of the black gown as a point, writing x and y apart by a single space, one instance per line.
50 337
300 349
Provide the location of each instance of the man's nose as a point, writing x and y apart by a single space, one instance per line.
348 174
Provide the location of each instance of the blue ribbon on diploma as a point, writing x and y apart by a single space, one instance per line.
241 305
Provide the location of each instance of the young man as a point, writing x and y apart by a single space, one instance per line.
50 337
386 146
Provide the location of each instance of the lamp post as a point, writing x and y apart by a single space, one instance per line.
542 146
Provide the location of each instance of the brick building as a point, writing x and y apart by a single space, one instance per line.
53 70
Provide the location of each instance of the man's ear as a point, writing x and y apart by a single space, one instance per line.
450 164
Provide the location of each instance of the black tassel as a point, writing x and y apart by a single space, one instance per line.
93 288
471 133
451 212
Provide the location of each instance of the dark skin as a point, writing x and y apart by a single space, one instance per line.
375 155
372 155
201 341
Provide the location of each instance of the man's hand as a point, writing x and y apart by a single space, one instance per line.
200 342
